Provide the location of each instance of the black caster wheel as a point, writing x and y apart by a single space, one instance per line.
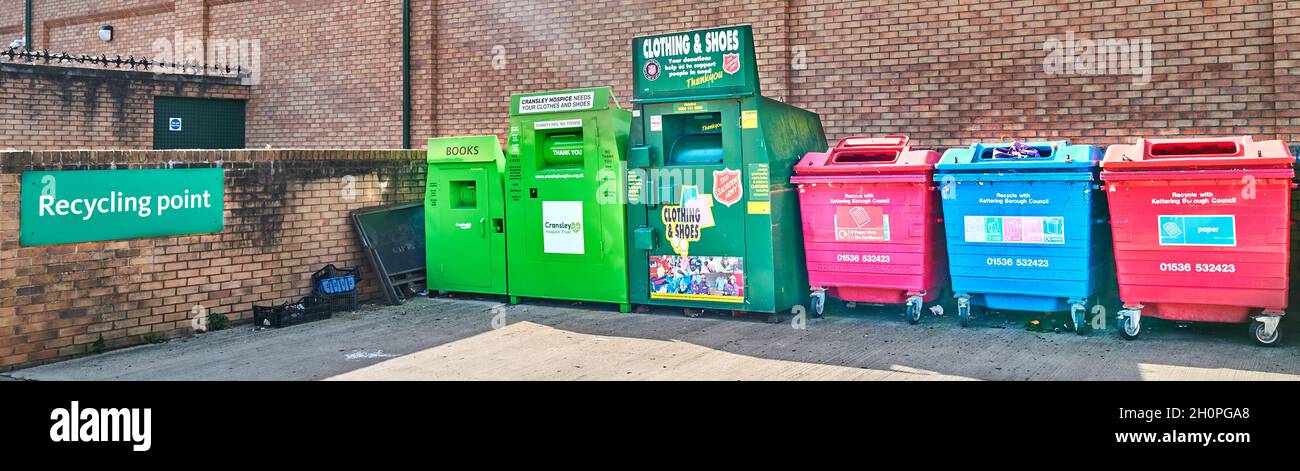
963 314
1079 316
1129 327
818 303
914 310
1257 331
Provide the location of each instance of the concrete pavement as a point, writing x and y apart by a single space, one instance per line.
455 339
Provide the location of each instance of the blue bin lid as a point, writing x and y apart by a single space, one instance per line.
1056 156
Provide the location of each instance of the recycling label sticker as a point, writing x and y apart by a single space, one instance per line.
861 224
1214 231
1015 229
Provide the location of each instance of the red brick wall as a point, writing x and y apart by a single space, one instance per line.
330 70
554 45
286 216
948 73
11 21
61 108
945 72
1286 67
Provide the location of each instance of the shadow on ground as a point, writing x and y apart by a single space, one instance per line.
455 338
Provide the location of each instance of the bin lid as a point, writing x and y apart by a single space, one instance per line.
862 155
1221 153
1053 156
464 149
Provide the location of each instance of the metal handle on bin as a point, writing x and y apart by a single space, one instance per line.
844 144
613 97
482 227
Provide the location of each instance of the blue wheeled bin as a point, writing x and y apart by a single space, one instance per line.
1026 227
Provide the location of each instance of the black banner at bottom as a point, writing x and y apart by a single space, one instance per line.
157 420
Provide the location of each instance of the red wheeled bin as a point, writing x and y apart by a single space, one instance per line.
871 224
1201 230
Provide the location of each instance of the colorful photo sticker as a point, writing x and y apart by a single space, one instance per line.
718 279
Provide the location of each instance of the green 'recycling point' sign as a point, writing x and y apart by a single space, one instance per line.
93 205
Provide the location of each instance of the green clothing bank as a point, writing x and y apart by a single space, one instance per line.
713 219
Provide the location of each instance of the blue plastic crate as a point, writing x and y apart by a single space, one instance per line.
332 284
337 285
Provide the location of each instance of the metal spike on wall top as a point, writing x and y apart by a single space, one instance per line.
45 57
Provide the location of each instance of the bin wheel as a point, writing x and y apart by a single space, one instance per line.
692 313
1257 330
774 318
963 313
1079 316
1130 326
818 301
914 310
851 304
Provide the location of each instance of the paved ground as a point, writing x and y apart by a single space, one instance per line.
454 339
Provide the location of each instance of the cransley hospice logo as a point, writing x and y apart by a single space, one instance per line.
572 227
90 425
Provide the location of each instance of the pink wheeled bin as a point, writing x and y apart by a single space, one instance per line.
872 225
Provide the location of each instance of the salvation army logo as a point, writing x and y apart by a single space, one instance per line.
726 187
651 70
731 63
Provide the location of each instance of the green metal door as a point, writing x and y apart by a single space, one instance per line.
696 206
561 194
464 229
198 123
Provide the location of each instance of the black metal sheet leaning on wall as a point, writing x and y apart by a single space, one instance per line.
393 238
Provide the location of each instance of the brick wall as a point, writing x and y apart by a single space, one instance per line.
946 72
330 70
1286 30
11 21
68 108
286 216
555 45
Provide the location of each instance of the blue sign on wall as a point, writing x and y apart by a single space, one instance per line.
174 124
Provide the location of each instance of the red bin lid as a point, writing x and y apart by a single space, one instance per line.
862 155
1196 154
